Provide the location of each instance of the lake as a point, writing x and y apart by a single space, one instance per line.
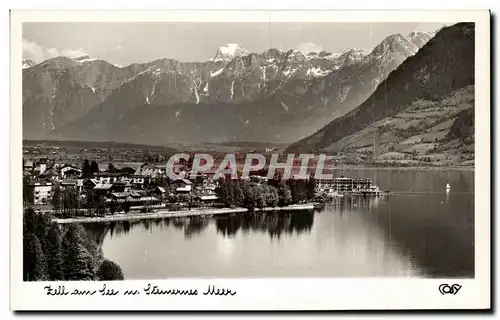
426 234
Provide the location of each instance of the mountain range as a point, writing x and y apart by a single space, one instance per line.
273 96
423 110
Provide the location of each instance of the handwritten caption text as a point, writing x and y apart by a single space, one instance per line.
106 290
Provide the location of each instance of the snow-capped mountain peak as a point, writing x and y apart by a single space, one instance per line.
414 34
395 43
419 38
230 51
27 63
351 56
84 58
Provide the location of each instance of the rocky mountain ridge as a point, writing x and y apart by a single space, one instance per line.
427 90
86 98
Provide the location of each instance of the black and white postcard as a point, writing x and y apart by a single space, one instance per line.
250 160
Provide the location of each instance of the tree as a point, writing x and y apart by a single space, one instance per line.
54 253
70 201
112 168
28 191
35 261
126 207
294 190
94 167
101 205
311 187
260 195
225 191
109 270
50 255
42 223
284 194
112 208
272 198
249 201
239 197
56 198
29 222
127 170
86 173
78 261
276 179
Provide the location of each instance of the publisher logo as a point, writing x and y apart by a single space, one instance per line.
449 289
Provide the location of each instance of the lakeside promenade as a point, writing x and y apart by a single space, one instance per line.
177 214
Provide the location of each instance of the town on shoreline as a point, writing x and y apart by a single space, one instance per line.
69 191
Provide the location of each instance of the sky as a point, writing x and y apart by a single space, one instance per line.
124 43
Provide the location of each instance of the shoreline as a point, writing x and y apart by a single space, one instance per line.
177 214
416 168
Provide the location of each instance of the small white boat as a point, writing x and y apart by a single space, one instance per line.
448 187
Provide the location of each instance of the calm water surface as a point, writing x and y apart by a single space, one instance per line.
419 235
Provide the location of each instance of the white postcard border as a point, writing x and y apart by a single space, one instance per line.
267 294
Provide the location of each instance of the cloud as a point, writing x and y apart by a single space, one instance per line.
33 51
37 53
309 47
73 53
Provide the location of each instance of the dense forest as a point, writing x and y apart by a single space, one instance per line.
54 252
463 127
276 192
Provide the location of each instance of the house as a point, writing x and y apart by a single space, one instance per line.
132 197
148 201
197 178
258 179
51 174
137 181
69 171
208 186
177 168
42 192
107 177
121 186
183 186
160 192
28 165
103 188
126 195
77 184
138 192
72 175
89 184
207 198
118 196
42 165
149 171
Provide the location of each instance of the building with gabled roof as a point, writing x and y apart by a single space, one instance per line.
51 174
183 185
148 170
42 192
